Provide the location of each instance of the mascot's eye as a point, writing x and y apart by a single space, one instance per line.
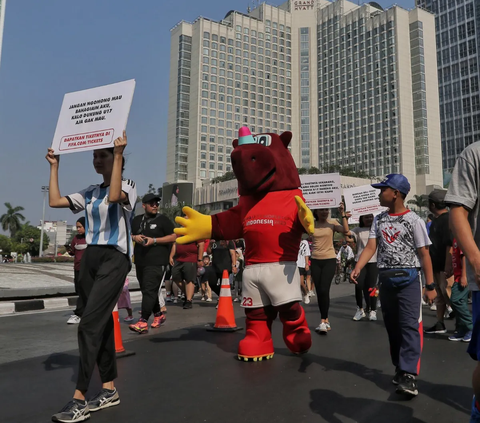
264 140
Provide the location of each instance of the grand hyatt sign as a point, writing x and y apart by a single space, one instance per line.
303 4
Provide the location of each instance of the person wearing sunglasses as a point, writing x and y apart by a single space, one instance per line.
153 236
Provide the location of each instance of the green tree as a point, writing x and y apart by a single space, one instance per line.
153 190
302 170
5 245
30 233
227 176
11 220
419 201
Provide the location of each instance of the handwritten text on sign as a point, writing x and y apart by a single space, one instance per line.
321 191
92 119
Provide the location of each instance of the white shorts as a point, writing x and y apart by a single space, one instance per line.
270 284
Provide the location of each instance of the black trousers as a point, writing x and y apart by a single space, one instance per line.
323 272
102 275
76 280
150 278
366 280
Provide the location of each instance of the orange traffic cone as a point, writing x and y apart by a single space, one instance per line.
119 348
225 321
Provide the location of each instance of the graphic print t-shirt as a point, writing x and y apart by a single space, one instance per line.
271 228
398 237
303 252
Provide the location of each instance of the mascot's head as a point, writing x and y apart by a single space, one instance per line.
263 163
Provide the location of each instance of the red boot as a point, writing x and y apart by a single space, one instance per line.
257 344
296 333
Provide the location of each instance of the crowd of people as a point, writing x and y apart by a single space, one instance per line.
395 255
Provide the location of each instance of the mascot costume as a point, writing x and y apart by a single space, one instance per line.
271 217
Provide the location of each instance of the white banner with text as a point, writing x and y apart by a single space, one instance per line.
93 118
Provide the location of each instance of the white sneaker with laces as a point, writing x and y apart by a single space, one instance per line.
73 320
322 328
360 314
433 307
306 299
372 316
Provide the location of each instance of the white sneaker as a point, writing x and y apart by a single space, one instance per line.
208 300
73 320
311 293
322 328
372 315
306 299
360 314
203 298
433 307
327 324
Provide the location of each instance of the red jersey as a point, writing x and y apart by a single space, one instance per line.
457 263
187 253
271 228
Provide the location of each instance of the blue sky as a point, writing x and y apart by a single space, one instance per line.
56 46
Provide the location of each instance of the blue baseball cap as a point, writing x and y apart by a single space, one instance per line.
395 181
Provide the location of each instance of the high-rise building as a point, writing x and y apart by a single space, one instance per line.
3 4
347 80
458 56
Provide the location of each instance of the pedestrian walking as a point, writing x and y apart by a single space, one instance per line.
77 248
153 236
104 266
463 199
441 256
324 260
459 296
367 280
124 302
402 242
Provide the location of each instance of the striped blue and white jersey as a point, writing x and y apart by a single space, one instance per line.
106 223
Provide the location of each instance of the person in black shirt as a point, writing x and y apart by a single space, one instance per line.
440 253
153 236
223 257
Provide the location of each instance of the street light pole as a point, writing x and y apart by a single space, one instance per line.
44 190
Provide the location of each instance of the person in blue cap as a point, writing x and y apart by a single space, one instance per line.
403 243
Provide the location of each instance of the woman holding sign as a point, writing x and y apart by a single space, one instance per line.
324 259
108 209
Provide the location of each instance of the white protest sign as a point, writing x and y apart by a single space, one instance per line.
361 201
321 191
94 118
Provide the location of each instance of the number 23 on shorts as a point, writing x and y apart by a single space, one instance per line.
247 302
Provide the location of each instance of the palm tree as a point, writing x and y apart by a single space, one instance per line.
419 201
11 219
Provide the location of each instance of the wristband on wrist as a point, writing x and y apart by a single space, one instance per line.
345 216
430 286
154 241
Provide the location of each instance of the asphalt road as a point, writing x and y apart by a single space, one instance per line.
182 373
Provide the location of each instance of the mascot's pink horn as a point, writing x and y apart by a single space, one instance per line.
245 136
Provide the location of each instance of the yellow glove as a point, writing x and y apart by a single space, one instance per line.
195 227
305 215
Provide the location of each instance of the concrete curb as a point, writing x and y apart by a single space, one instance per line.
12 307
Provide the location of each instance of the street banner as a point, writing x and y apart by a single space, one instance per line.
321 191
361 201
93 118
